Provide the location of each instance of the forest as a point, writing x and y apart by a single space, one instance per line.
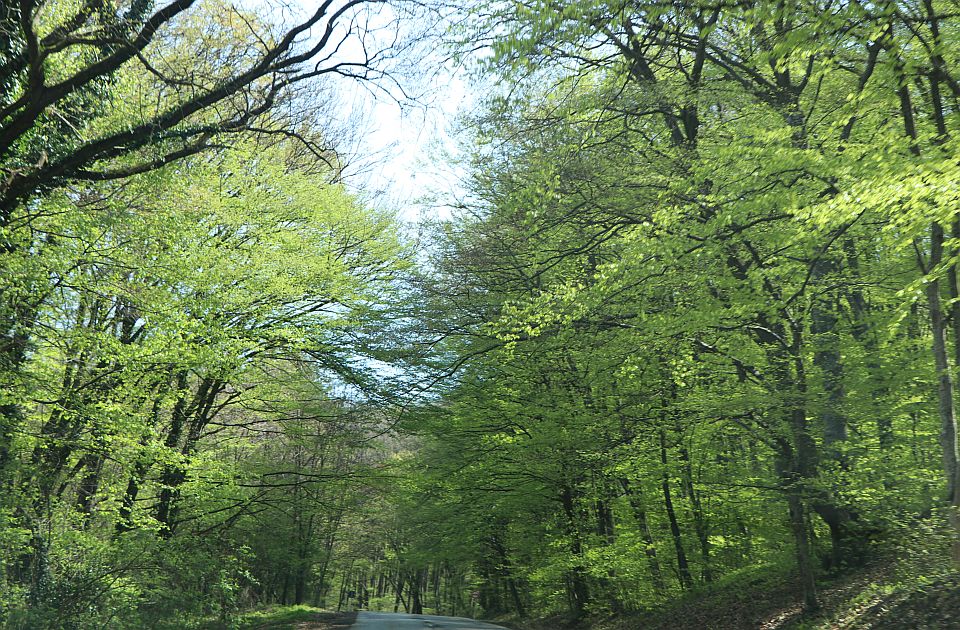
678 348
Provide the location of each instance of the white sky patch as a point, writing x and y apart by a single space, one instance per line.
408 143
395 130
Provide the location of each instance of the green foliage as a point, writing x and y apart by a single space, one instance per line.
198 326
692 295
282 617
696 325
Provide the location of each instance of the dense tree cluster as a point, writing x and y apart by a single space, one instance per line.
704 287
191 306
696 318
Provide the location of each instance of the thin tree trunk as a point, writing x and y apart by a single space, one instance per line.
399 593
803 469
416 584
948 421
798 526
683 567
635 498
862 331
845 548
507 571
699 519
579 589
343 592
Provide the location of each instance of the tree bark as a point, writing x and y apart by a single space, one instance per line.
579 589
700 525
416 584
635 498
683 567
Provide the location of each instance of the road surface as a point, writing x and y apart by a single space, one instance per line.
400 621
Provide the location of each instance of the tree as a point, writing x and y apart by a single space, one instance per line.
183 300
692 179
155 101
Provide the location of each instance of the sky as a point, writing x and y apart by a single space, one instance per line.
394 156
403 145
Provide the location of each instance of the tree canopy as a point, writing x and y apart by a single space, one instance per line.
693 321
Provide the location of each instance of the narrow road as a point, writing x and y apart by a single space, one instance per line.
400 621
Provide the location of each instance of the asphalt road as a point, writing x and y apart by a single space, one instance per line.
400 621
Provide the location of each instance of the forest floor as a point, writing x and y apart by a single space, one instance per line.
876 596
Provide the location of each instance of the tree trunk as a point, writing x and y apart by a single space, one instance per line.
845 543
699 519
635 498
683 567
174 475
416 603
398 599
92 465
945 407
862 331
579 589
945 403
507 571
17 328
798 527
803 468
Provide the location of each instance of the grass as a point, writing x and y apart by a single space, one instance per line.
287 618
279 618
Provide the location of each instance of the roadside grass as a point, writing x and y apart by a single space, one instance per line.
286 618
280 618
